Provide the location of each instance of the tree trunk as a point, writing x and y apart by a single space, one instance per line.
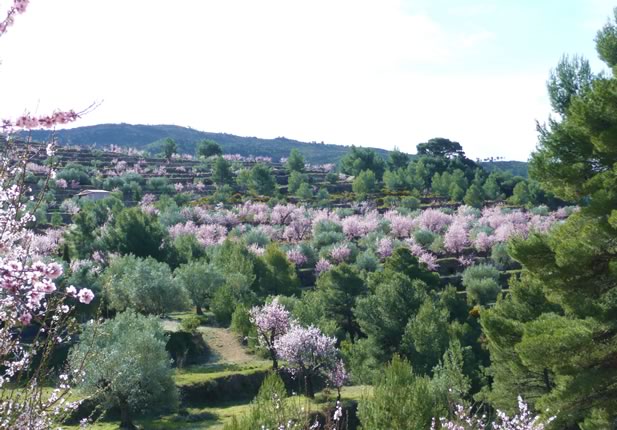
308 383
198 310
275 363
126 423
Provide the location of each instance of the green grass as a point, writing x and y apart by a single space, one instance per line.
203 373
216 416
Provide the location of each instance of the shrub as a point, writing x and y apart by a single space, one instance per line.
424 238
271 409
368 261
500 256
144 285
481 284
410 202
190 324
400 400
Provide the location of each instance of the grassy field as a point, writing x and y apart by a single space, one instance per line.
214 417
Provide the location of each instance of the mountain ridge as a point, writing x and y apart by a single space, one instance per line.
150 137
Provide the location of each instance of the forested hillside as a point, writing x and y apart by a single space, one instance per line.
150 137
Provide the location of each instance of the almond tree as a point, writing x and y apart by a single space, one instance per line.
29 297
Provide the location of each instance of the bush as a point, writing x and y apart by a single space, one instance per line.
190 324
187 348
235 290
481 283
368 261
401 400
270 409
410 202
424 237
144 285
500 256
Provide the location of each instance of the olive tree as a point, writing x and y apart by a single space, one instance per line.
200 280
126 366
145 285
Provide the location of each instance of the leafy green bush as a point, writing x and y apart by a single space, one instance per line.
271 408
400 400
481 284
500 256
190 324
424 237
144 285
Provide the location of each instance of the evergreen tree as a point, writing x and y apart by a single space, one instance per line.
221 172
295 162
397 159
262 180
365 183
474 196
575 263
401 400
169 148
340 287
360 159
208 148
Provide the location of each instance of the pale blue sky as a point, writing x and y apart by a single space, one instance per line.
367 72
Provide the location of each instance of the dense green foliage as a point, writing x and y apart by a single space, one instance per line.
125 365
145 285
553 338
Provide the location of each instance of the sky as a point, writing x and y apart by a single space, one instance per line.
380 73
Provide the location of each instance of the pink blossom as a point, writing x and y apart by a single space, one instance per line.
271 321
25 318
423 256
340 253
322 265
434 220
360 225
296 257
483 242
338 375
400 226
255 249
455 239
85 296
306 349
28 122
385 247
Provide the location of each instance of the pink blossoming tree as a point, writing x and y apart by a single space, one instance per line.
28 293
307 353
271 321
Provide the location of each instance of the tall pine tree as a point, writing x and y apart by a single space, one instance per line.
560 351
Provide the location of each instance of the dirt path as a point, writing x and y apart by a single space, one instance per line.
225 346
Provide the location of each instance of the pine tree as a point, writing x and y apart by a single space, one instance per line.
566 359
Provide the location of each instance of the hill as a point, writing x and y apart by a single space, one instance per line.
517 168
149 137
